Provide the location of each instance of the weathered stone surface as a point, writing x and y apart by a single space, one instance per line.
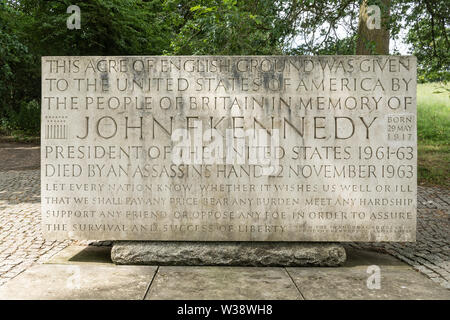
19 191
91 280
82 254
355 280
79 281
229 148
228 253
211 283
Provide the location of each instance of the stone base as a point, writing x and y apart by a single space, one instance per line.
228 253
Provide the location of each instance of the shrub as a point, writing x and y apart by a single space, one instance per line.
28 119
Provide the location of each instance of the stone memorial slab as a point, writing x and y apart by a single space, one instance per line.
229 148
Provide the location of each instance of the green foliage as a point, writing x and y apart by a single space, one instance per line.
433 132
433 164
18 72
227 27
109 27
345 46
428 35
27 119
24 121
433 113
30 29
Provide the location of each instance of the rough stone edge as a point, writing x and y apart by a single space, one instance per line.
257 254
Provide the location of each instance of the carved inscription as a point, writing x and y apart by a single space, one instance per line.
229 148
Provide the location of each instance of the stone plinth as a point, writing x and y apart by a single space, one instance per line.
228 253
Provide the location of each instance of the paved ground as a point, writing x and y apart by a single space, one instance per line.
430 254
22 246
86 272
21 243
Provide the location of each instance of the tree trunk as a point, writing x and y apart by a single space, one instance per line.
373 38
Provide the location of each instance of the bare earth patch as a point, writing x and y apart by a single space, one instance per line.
19 156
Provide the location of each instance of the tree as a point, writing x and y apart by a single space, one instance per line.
227 27
373 36
109 27
18 72
30 29
428 23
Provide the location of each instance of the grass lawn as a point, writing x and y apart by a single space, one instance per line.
433 134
